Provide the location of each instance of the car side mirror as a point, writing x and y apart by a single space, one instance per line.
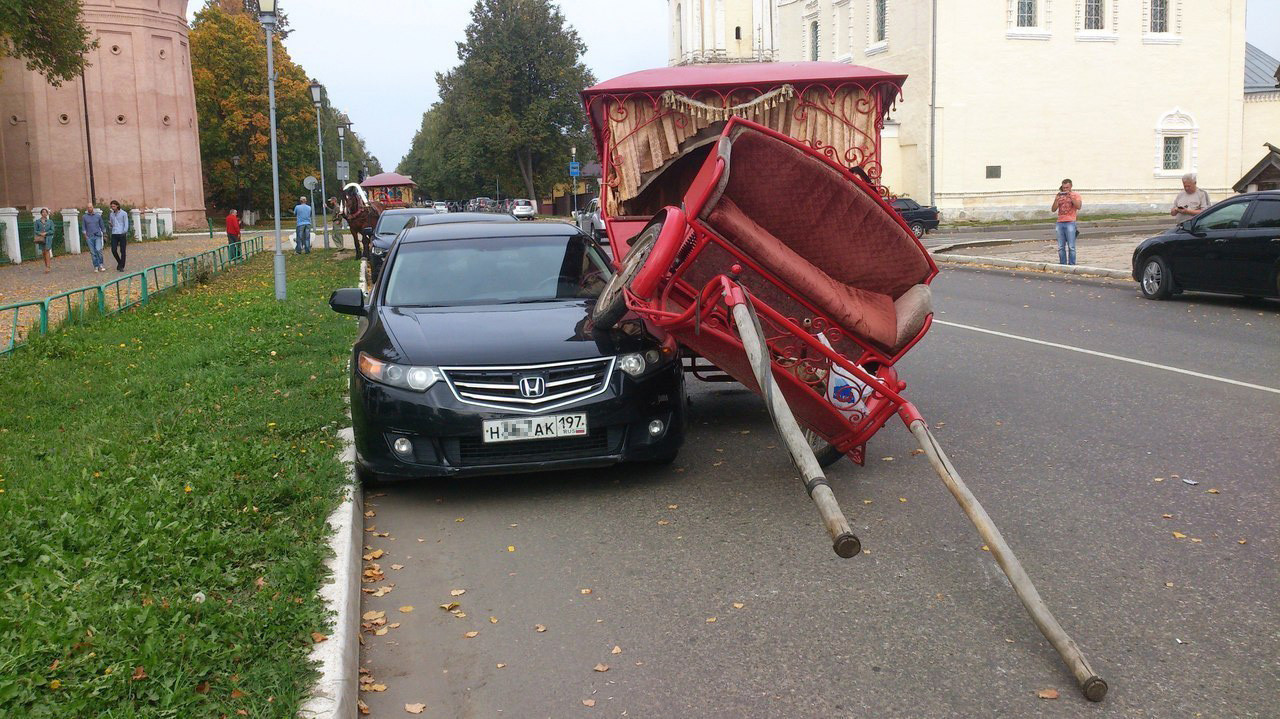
347 301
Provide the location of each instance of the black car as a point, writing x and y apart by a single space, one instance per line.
1232 247
919 218
478 356
390 222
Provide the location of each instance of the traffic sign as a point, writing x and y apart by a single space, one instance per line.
575 169
310 182
344 171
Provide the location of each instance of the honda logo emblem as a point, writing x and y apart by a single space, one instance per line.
532 387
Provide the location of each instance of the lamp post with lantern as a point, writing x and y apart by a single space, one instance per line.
267 16
317 97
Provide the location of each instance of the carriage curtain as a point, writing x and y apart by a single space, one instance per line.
649 136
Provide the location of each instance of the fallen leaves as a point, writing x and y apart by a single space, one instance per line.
663 522
471 635
711 620
673 506
616 649
588 702
511 547
406 608
317 637
738 605
138 673
1179 535
372 615
457 592
502 665
1047 693
415 708
450 606
375 554
370 513
539 628
602 667
584 591
1212 491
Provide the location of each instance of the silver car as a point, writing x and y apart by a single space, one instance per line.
589 220
523 209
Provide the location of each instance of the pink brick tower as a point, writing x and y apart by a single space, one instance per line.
139 101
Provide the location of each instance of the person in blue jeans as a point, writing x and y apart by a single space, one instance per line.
93 231
302 237
1066 204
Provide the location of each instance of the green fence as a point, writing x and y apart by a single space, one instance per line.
19 320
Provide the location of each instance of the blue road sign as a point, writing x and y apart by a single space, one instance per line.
575 169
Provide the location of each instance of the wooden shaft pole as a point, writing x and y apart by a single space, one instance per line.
1091 684
844 541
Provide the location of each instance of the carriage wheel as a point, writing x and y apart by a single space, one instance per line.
612 303
825 452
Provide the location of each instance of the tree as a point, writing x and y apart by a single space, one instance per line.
48 35
509 110
229 67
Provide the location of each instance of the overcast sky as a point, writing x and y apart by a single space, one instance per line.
378 60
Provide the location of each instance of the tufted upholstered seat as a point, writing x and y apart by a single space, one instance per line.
825 237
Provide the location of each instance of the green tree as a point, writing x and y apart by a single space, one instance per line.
229 68
509 111
48 35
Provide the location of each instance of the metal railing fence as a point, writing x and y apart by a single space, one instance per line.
19 320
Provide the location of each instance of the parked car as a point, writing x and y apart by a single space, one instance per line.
390 223
478 356
440 207
481 204
1233 247
523 210
589 220
919 218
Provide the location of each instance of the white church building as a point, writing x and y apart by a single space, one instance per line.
1005 98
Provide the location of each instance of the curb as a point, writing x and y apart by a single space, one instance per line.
1052 267
1137 222
980 243
338 659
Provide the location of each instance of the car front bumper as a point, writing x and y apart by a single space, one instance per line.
445 432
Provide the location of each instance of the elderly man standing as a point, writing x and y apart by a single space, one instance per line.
93 232
1192 200
302 236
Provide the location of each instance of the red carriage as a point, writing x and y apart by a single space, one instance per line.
747 220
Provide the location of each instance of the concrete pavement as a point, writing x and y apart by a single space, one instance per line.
1076 457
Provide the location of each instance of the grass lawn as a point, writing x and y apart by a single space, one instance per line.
166 475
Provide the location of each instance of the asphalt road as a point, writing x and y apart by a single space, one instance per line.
1075 456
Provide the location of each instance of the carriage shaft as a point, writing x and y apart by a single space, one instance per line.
1091 684
844 541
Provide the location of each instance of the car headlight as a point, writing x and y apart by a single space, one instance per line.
633 364
378 250
397 375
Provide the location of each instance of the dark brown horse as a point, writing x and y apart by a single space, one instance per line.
360 213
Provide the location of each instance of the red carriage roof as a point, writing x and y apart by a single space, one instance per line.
387 179
753 74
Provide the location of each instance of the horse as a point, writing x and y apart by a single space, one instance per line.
359 212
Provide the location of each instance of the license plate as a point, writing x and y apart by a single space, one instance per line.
524 428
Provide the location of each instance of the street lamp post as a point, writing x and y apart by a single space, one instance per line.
573 154
317 95
267 16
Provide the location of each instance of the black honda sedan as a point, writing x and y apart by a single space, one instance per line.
477 355
1233 247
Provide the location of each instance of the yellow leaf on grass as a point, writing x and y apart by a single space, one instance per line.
415 708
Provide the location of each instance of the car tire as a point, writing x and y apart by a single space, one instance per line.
1156 281
825 452
917 229
612 303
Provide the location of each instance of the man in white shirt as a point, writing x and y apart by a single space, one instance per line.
1192 200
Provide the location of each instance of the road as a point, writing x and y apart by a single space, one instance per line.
1077 457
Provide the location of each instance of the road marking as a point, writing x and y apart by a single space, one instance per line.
1106 355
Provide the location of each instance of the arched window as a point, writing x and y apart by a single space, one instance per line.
813 40
1177 144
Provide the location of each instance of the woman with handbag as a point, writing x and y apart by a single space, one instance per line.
44 237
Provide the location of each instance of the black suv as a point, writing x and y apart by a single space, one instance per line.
919 218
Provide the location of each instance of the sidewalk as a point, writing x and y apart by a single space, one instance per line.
1111 252
27 281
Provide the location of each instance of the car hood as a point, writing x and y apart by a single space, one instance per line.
504 334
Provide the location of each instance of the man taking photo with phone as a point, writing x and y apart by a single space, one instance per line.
1066 203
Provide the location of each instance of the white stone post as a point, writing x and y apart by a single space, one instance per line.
164 215
149 219
9 218
71 235
135 217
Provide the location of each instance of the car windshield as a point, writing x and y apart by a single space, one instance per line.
391 224
523 203
495 270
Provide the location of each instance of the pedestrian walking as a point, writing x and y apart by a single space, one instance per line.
44 238
233 235
1192 200
118 222
302 235
93 230
1066 204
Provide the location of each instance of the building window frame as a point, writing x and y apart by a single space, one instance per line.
1177 124
877 27
1172 12
1042 16
842 28
1107 16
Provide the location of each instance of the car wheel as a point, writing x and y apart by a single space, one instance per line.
612 304
825 452
917 229
1157 281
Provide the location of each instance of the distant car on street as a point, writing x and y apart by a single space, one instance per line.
1233 247
589 220
919 218
440 207
523 210
390 223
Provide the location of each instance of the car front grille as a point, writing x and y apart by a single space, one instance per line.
563 383
473 451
